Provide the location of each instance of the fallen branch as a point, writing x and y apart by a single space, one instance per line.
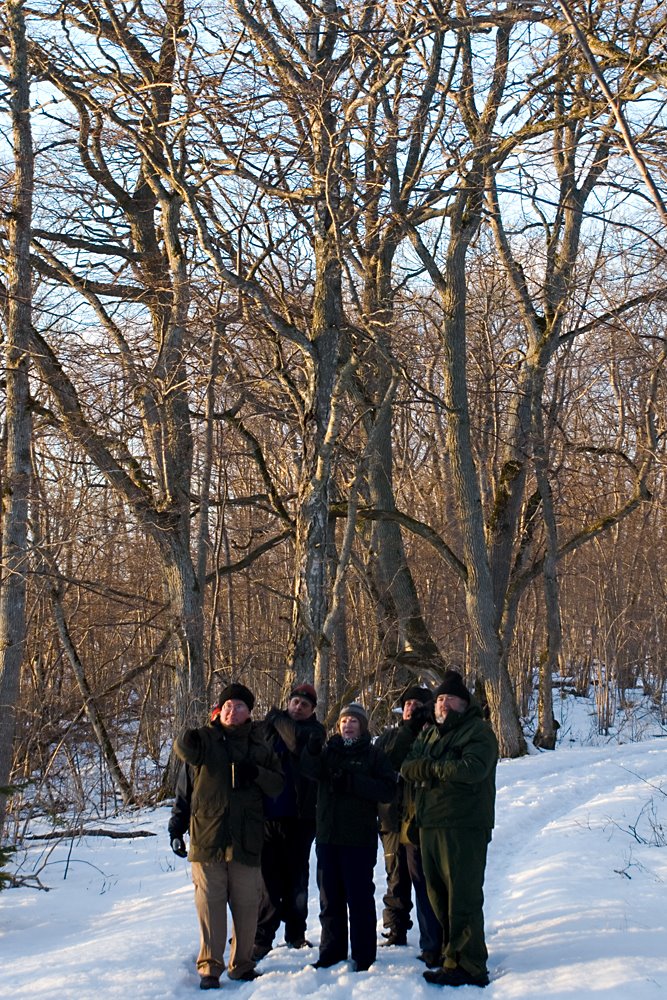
65 834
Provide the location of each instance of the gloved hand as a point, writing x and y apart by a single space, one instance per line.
178 847
419 718
340 781
273 714
244 773
420 769
315 744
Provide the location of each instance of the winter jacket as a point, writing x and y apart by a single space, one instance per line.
226 823
288 737
352 779
396 742
453 768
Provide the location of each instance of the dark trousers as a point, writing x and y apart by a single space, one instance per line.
285 870
403 864
454 863
431 937
345 880
398 897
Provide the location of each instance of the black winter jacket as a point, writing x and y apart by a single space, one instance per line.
288 737
352 779
396 742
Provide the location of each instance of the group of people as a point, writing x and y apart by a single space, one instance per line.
254 795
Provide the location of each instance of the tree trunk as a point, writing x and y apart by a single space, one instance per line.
17 473
310 659
550 662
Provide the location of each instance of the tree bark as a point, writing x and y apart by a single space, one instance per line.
17 473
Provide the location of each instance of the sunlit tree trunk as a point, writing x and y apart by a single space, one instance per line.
16 476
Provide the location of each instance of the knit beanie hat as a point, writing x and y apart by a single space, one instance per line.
358 711
452 683
416 693
237 692
306 691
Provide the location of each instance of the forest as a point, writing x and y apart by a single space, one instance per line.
333 349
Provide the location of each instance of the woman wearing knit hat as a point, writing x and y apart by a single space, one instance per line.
353 775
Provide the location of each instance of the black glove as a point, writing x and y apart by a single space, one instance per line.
244 773
178 847
315 744
340 781
420 716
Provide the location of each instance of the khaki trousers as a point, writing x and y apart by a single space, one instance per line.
218 883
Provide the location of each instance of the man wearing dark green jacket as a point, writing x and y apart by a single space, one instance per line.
452 766
231 768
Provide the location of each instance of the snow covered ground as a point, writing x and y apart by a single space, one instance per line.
576 899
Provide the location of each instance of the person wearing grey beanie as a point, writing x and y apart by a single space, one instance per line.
352 777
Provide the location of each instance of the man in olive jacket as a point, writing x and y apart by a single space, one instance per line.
452 766
230 767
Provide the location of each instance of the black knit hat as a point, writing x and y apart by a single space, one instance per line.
452 683
237 692
416 693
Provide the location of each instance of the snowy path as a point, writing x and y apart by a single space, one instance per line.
576 904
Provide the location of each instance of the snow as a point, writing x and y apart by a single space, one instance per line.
576 900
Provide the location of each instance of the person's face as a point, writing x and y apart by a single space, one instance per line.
409 707
299 708
446 703
350 727
234 712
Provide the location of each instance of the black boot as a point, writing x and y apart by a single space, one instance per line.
455 977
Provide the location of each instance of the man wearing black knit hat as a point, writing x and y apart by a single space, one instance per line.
289 824
452 768
230 767
400 838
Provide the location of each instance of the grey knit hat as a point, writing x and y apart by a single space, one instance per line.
358 711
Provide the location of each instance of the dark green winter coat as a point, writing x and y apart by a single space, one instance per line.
452 766
352 779
227 823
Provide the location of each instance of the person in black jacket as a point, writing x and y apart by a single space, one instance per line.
229 769
353 775
400 837
289 824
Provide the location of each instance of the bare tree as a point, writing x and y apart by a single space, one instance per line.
16 299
